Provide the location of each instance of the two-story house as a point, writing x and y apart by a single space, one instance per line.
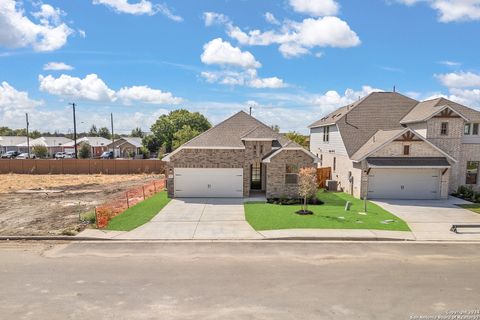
389 146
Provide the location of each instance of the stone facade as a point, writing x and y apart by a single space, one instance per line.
276 170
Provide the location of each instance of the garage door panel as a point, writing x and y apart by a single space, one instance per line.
404 184
208 182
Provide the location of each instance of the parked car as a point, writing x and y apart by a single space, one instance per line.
25 156
107 155
10 155
69 155
59 155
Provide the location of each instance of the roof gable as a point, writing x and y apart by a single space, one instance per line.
229 133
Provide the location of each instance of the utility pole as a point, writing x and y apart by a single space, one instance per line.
28 136
74 130
113 135
250 110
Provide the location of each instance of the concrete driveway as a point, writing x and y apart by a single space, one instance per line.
197 218
432 219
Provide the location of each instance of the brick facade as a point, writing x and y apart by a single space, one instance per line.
273 178
276 169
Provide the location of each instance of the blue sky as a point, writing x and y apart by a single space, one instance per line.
292 60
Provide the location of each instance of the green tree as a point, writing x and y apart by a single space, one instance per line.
166 126
151 143
93 132
137 132
40 151
183 135
20 132
298 138
6 131
35 134
145 152
104 132
85 151
275 127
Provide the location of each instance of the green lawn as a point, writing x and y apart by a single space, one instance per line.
475 207
139 214
265 216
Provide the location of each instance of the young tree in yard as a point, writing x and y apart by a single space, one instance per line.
40 151
164 129
307 186
85 151
183 135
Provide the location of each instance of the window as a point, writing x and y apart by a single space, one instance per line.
472 172
321 160
291 174
444 129
255 149
334 163
406 150
466 131
475 129
326 134
261 149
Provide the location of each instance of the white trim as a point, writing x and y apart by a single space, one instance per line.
398 135
267 159
322 125
167 157
434 114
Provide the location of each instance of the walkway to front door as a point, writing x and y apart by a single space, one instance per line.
197 218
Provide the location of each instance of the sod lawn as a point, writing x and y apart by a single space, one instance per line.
139 214
475 207
330 215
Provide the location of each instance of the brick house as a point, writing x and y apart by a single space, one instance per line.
234 158
98 145
390 146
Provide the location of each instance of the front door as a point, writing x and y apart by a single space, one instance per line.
256 176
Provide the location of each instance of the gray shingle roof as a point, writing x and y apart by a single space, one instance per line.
229 133
378 139
47 141
378 111
408 162
92 141
426 109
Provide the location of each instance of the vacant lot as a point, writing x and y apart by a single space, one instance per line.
51 204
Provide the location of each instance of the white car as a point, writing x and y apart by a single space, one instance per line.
25 156
59 155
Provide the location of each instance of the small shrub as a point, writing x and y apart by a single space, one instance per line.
284 201
88 217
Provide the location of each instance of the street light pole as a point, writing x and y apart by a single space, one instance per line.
74 130
113 135
28 136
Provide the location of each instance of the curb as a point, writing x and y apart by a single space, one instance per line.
49 238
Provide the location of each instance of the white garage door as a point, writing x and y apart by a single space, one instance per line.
211 182
404 184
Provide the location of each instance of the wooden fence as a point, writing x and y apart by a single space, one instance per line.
81 166
323 174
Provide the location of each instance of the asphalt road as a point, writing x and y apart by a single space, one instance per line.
261 280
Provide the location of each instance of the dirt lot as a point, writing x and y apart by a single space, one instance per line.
51 204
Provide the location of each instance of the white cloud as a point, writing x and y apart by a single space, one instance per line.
294 38
223 53
247 78
459 80
212 18
450 63
452 10
270 18
139 8
18 31
57 66
331 100
11 99
89 88
93 88
316 8
147 95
